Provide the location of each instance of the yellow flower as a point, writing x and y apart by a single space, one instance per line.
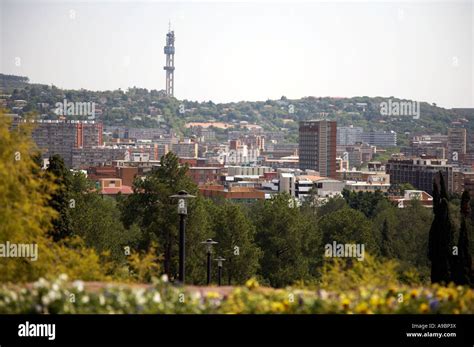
277 307
414 293
424 308
213 295
376 301
345 303
362 308
252 283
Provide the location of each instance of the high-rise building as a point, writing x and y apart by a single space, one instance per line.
457 141
317 146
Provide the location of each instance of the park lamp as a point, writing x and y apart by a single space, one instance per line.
182 197
219 261
219 270
209 243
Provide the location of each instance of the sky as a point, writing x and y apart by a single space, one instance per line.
258 50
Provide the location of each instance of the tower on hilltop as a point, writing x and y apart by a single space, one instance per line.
169 67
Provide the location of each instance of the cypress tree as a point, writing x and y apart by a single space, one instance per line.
442 185
60 199
463 271
433 238
440 236
386 247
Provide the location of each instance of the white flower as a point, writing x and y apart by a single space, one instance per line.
14 296
157 297
52 295
79 285
323 294
85 299
139 297
63 277
45 300
164 278
41 283
196 295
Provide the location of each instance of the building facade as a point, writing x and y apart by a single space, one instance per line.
317 146
457 144
65 138
420 172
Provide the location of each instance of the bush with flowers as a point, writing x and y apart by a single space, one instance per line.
63 296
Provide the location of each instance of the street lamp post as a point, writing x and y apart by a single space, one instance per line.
182 197
219 260
209 243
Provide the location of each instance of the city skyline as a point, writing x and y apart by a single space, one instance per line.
240 51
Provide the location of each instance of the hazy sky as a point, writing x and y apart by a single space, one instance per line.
247 50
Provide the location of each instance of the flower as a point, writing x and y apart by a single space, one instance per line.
213 295
252 283
78 285
345 303
41 283
277 307
414 293
424 308
157 297
434 304
362 308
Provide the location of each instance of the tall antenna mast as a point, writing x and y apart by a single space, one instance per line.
169 67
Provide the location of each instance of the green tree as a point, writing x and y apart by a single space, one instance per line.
440 235
365 202
386 248
332 205
199 228
26 215
97 220
410 240
236 236
463 271
347 226
152 209
60 200
289 241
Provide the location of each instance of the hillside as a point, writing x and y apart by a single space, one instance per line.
140 107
